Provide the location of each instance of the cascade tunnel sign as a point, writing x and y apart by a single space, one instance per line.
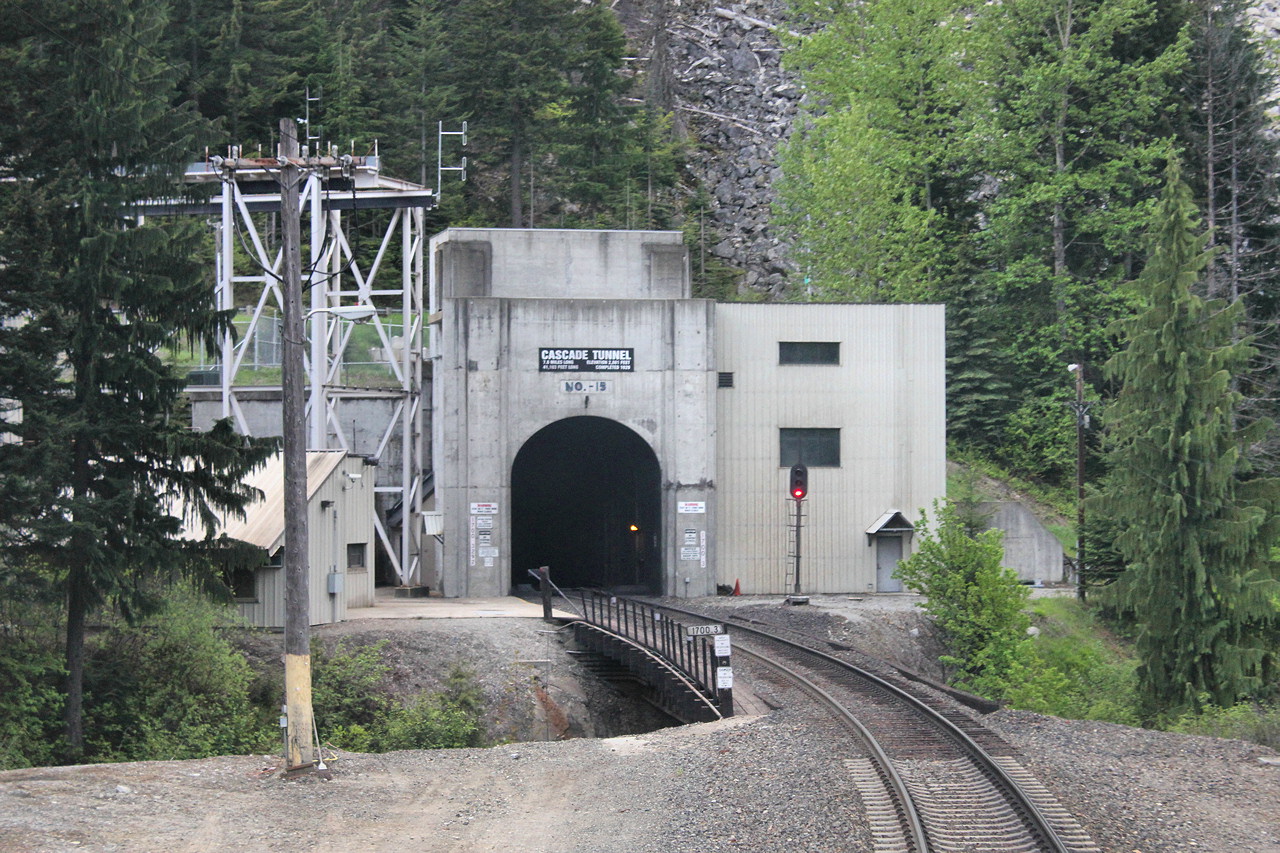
584 360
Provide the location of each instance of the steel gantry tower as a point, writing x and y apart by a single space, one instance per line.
366 397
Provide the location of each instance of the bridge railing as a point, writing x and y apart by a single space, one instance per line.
652 628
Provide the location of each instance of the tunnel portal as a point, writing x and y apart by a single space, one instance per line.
585 502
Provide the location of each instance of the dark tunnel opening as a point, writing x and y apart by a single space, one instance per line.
585 502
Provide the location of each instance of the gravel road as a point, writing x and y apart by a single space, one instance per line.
765 783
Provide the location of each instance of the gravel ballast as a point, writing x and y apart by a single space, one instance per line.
773 782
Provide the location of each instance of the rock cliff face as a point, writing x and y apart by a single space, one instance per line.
717 69
716 66
1266 16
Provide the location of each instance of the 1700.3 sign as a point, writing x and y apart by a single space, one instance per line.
584 360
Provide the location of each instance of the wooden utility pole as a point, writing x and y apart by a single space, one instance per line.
297 617
1081 409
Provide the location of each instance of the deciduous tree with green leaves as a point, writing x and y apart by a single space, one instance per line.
975 601
873 187
89 293
1196 527
1072 140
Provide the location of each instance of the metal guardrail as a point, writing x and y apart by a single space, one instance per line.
656 631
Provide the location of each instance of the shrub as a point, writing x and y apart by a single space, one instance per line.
353 706
1246 721
170 687
348 685
976 603
1097 678
431 723
31 702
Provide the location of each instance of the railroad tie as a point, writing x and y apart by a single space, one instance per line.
1063 822
882 817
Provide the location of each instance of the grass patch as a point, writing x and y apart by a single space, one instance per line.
1081 671
1058 500
1247 721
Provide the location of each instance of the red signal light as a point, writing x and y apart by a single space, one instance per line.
799 482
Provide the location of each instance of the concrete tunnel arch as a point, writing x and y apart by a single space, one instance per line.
585 496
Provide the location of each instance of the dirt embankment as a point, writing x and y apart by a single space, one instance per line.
752 783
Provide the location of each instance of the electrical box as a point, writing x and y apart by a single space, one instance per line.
335 583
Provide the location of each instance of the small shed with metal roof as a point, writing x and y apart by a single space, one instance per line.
340 509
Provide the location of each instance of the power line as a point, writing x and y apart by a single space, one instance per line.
80 49
130 37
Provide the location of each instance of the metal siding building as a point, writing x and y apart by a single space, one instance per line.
885 396
538 464
340 493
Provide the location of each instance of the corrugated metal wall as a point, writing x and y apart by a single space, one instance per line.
339 512
347 520
887 398
267 611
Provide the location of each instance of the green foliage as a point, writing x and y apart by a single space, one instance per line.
964 495
1002 158
31 675
431 723
1245 721
87 298
1196 527
975 602
355 709
1040 439
1081 675
347 684
171 687
868 176
1062 501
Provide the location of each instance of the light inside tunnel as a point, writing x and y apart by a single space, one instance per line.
585 502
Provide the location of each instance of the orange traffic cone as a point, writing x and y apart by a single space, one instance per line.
737 587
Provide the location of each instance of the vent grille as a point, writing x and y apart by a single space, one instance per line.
724 380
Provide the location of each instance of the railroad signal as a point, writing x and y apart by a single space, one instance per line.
799 482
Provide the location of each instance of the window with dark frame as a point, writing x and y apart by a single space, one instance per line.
811 447
244 584
808 352
356 555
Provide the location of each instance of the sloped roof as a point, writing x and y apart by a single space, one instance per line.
892 521
263 522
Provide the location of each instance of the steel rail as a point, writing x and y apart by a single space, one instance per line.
1039 824
908 814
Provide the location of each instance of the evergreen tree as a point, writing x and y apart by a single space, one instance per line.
88 296
258 64
1196 528
1233 157
1231 149
414 98
507 59
1073 139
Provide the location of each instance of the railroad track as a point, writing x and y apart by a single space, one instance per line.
933 780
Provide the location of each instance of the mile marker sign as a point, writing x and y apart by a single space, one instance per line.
703 630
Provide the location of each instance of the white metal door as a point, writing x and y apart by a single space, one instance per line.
888 553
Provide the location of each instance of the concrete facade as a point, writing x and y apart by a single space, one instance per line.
1029 548
501 302
582 411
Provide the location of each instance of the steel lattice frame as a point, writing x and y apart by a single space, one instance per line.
334 279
